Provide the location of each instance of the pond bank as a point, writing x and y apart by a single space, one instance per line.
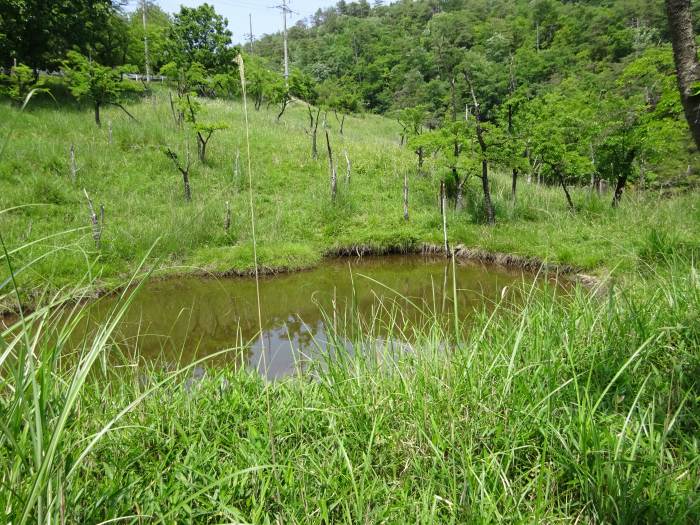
298 264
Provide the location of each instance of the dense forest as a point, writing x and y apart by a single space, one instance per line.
594 77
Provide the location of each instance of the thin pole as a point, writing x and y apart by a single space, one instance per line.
250 22
285 9
145 40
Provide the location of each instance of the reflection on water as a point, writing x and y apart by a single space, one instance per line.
184 319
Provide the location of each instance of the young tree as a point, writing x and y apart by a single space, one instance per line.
203 130
481 131
412 121
615 157
299 87
184 169
453 143
100 85
339 97
560 125
19 83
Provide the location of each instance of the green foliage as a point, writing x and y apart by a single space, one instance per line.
336 95
100 85
525 54
561 127
157 26
19 83
199 35
40 33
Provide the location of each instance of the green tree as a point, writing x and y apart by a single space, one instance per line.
199 35
191 107
100 85
412 121
561 126
19 83
39 33
158 24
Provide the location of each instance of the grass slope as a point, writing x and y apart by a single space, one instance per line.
296 221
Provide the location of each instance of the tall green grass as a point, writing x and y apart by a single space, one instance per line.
584 409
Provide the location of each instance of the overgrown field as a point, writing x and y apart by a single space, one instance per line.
583 410
297 223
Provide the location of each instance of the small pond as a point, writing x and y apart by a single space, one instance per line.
182 319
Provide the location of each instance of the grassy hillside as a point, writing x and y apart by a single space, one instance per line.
577 410
296 221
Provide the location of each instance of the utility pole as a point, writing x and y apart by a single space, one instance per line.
250 21
145 40
285 9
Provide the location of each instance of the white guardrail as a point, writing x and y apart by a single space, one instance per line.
131 76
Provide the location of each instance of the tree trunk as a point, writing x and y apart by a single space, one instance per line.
201 147
490 213
419 152
284 107
202 150
566 190
443 208
514 184
685 54
619 188
459 200
97 114
186 182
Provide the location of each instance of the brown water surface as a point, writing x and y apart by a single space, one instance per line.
183 319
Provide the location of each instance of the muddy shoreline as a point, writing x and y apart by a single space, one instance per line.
461 252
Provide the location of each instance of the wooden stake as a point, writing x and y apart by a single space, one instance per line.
443 198
73 166
405 195
96 228
349 168
334 175
236 165
227 222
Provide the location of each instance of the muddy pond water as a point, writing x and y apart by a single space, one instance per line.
176 321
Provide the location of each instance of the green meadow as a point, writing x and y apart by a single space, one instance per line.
297 222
